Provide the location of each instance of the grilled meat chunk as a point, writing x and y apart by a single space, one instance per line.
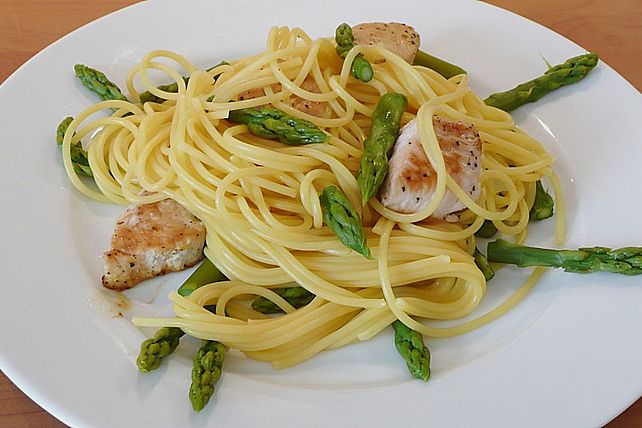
151 240
411 181
399 38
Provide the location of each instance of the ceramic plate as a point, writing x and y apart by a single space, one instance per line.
569 354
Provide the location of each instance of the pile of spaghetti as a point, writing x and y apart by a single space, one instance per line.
259 199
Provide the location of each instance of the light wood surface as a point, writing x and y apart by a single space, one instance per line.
612 28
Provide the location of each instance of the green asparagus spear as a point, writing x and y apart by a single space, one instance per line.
208 364
62 129
377 147
483 265
411 347
153 350
296 296
573 70
206 273
339 214
542 209
166 339
442 67
361 68
147 96
268 122
208 361
543 204
100 84
96 81
79 157
625 261
487 230
344 39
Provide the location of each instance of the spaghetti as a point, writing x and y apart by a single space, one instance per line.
259 199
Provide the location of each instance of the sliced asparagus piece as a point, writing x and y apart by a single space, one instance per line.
410 345
269 122
208 364
339 214
296 296
625 261
571 71
97 82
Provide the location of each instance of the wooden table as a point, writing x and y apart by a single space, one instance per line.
611 28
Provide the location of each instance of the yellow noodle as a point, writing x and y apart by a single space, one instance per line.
259 199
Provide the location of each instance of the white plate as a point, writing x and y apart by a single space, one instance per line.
570 354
